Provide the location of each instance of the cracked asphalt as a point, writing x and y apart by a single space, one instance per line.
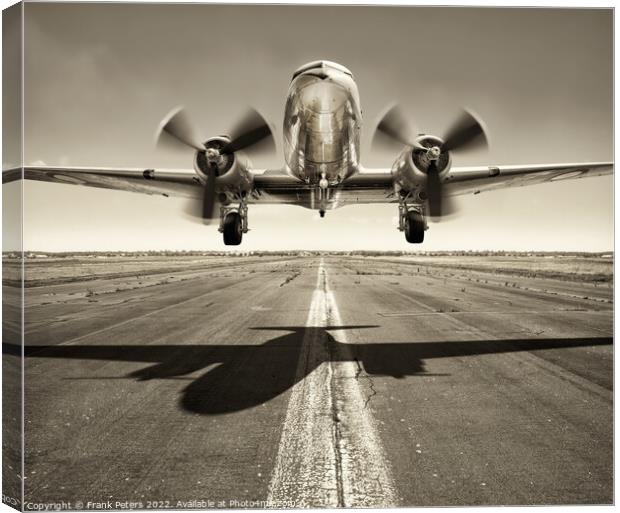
331 381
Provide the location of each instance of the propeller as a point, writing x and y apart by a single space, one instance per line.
251 133
394 127
176 131
433 190
208 196
466 133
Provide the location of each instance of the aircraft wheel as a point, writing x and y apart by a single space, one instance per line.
232 229
414 227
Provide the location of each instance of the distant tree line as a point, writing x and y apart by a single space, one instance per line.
293 253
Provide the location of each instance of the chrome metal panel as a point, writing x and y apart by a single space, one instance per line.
322 123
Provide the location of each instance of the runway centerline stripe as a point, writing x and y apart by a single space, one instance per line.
330 453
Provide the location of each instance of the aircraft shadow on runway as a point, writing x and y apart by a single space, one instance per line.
244 376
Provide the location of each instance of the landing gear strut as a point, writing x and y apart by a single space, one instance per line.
412 221
233 223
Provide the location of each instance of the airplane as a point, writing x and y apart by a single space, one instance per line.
322 171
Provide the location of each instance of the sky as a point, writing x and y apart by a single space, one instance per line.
100 77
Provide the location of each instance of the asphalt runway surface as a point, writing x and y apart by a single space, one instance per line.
319 382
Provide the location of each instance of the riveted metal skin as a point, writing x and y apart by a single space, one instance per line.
322 123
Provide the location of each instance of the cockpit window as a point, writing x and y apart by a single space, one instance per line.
319 65
306 67
339 67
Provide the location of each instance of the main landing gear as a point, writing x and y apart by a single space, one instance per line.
233 223
412 221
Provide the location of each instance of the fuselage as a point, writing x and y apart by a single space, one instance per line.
322 123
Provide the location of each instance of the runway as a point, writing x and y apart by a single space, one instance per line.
319 381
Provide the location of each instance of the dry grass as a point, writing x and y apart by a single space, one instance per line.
53 271
581 268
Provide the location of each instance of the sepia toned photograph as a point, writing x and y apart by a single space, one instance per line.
306 256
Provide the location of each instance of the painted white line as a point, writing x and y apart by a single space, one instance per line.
330 453
366 475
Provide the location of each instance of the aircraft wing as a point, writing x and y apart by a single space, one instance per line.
276 186
167 182
473 180
272 186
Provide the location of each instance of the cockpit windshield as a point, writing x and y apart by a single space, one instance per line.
318 65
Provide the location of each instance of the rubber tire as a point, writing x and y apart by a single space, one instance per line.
414 227
232 229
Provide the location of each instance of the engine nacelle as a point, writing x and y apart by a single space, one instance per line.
411 166
233 178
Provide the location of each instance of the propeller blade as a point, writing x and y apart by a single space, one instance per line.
466 133
253 131
208 198
433 190
176 129
439 205
394 127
